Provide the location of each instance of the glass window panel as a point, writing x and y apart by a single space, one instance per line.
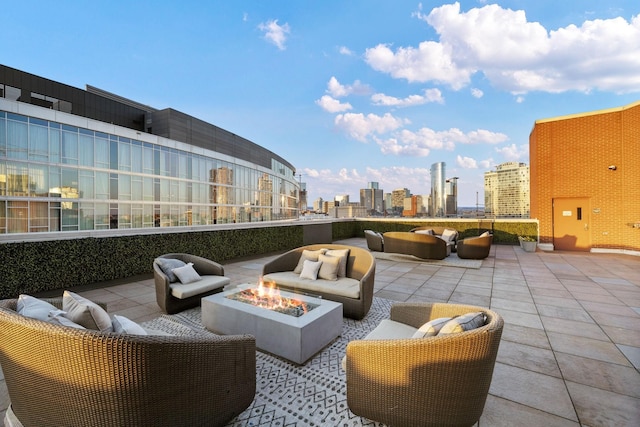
183 195
70 189
124 187
3 217
38 217
55 182
86 150
3 135
3 179
17 139
87 221
101 147
183 169
147 160
70 147
164 190
55 217
136 216
136 188
55 140
87 188
124 156
69 216
124 215
17 217
136 158
102 185
38 142
17 179
101 215
39 180
147 189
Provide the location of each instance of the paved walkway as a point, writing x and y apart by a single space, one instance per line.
570 351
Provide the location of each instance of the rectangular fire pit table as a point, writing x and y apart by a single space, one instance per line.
293 338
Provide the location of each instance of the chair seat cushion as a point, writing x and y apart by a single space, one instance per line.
344 286
390 329
206 283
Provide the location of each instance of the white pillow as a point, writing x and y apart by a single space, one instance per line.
485 234
343 254
186 274
35 308
431 328
427 231
122 325
329 268
466 322
448 234
310 269
85 313
307 255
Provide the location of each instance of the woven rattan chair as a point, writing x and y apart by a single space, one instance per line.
475 247
207 268
436 381
61 376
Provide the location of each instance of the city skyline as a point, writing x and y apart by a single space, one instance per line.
349 93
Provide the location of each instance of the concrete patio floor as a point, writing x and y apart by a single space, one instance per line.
570 350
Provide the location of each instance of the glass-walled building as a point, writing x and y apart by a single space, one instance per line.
75 160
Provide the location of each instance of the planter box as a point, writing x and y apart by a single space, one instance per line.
528 246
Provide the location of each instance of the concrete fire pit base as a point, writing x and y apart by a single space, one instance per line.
293 338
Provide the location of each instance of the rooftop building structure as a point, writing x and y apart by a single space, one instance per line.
74 160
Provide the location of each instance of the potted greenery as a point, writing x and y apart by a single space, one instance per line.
528 243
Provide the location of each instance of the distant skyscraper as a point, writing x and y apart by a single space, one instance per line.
452 196
371 198
438 192
397 199
506 191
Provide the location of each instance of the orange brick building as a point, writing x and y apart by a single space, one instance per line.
585 180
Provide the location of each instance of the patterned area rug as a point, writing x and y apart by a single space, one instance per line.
450 261
287 394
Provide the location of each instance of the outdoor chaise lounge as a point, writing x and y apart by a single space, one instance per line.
440 380
62 376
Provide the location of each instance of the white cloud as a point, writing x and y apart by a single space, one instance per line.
515 153
430 95
517 55
345 51
274 33
477 93
332 105
338 90
359 127
466 162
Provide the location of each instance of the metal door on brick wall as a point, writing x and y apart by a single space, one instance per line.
571 224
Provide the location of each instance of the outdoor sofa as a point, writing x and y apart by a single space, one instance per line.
354 289
425 246
63 376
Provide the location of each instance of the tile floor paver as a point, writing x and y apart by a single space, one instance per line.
570 351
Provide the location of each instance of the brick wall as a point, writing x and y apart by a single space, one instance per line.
570 157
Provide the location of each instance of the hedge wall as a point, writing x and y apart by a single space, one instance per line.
32 267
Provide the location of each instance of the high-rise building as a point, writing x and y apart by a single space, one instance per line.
452 196
371 198
438 191
397 200
506 191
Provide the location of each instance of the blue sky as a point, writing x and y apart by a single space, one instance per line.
348 91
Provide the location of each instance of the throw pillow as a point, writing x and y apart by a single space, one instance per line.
466 322
310 269
448 234
428 231
35 308
431 328
186 274
485 234
85 313
329 268
308 255
122 325
167 265
343 254
56 317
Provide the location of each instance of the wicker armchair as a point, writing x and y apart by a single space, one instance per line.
435 381
61 376
475 247
210 270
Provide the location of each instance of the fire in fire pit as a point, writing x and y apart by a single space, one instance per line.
267 295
